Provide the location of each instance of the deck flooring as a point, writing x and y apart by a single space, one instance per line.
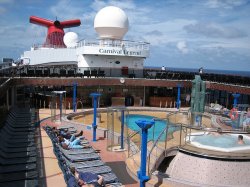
53 174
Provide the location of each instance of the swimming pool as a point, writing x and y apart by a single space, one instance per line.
153 132
224 143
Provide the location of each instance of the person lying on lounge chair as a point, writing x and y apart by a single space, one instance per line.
72 143
65 133
85 178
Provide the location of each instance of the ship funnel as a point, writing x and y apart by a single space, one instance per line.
55 30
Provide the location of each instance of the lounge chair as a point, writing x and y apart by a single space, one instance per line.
110 178
33 182
115 184
13 140
82 157
15 176
76 151
85 164
17 168
17 161
19 129
97 170
16 134
17 149
17 154
18 145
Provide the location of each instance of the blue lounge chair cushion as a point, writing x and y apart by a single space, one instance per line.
88 177
72 182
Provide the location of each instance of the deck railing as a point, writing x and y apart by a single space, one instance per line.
114 43
178 135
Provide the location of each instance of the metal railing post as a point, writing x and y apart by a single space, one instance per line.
180 134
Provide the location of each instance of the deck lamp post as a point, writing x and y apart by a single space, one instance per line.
236 97
144 125
60 93
61 105
74 96
122 128
95 97
235 119
178 102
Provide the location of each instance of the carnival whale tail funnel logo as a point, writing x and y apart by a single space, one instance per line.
55 30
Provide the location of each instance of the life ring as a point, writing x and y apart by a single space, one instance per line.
233 114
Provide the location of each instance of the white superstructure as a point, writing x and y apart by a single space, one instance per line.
110 51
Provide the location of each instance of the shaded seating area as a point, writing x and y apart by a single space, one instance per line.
101 73
18 150
87 73
84 160
93 73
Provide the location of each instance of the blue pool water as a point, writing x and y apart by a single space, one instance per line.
153 132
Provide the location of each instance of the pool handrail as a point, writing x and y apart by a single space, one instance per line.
234 131
157 140
153 147
129 137
134 133
185 130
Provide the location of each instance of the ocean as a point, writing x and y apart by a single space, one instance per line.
224 72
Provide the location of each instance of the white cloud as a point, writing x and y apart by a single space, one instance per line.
65 10
5 4
228 44
138 15
125 5
214 30
142 25
226 4
22 35
168 31
6 1
2 10
182 46
167 25
97 5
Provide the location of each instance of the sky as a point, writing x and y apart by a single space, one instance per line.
213 34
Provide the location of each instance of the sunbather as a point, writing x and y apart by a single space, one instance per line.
65 133
73 142
86 178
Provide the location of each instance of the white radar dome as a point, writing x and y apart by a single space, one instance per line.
111 22
70 39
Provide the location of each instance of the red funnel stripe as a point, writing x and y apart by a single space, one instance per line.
55 30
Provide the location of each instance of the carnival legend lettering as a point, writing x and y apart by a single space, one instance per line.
120 52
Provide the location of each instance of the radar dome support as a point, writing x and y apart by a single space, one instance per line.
55 30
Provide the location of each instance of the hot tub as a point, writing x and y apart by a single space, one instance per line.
223 143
